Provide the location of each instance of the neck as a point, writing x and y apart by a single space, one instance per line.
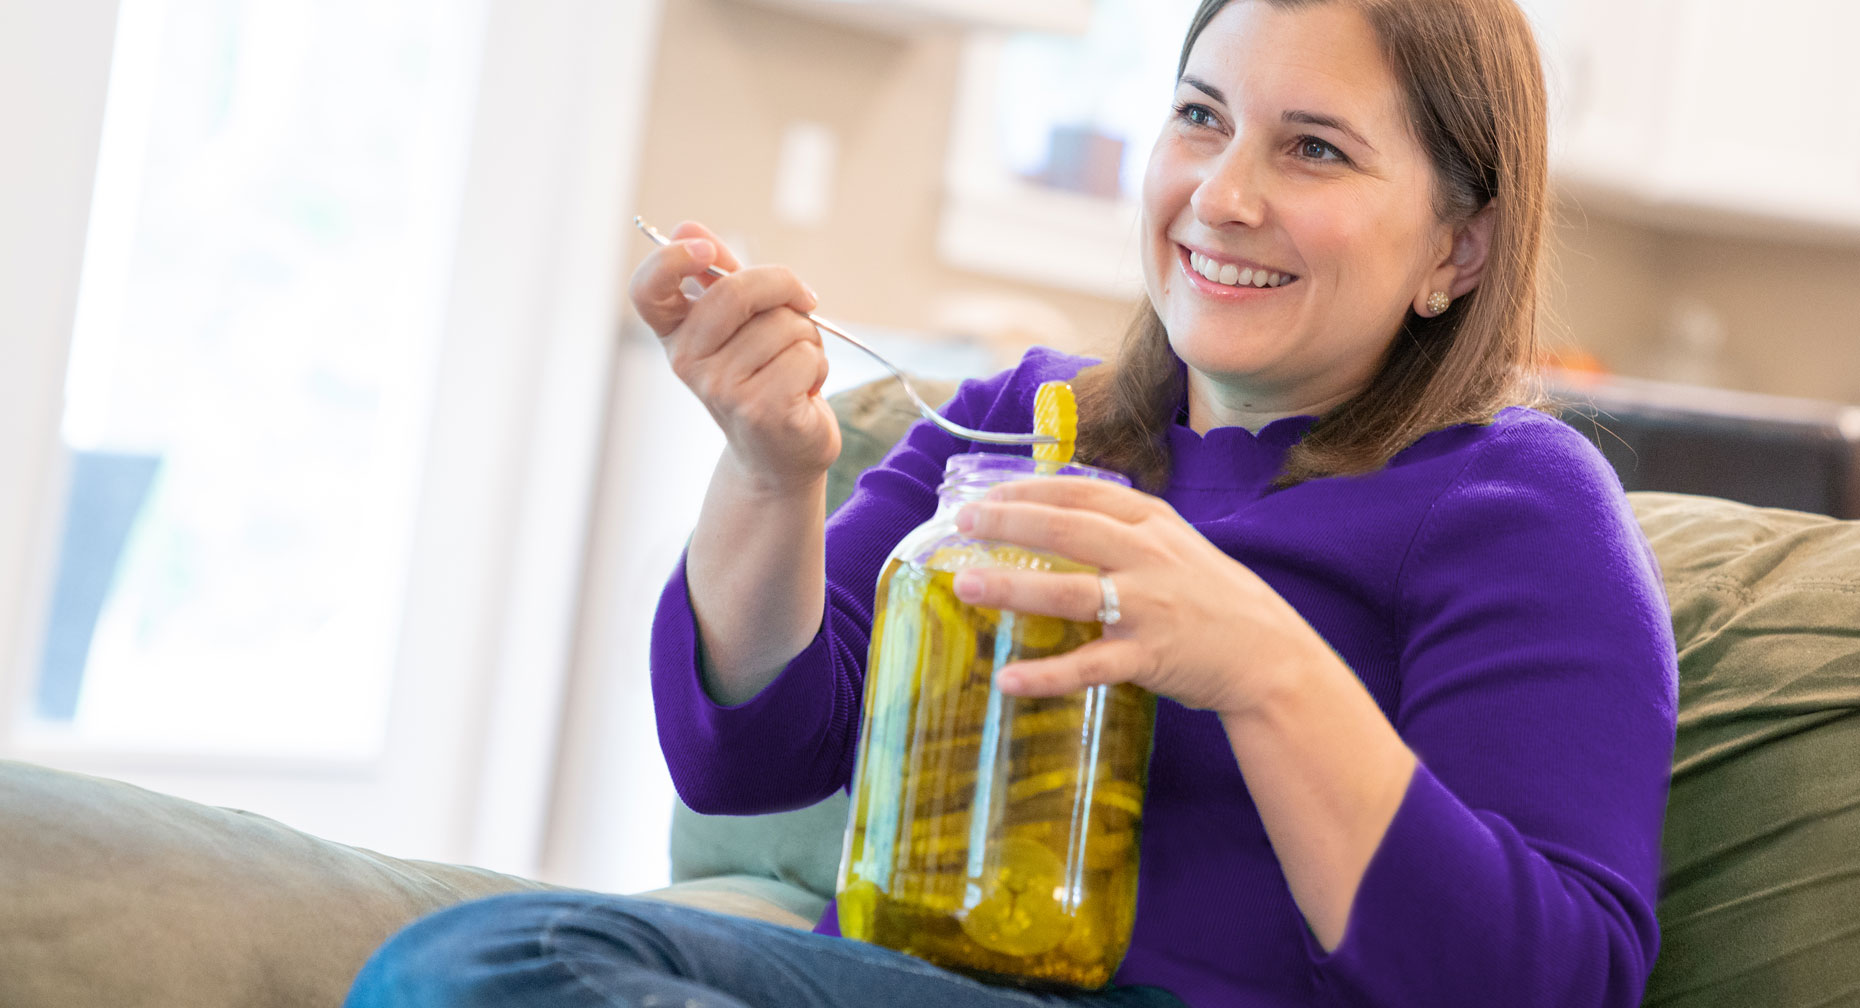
1213 404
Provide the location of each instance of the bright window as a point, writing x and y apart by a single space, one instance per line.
250 372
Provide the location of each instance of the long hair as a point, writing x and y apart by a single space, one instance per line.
1474 92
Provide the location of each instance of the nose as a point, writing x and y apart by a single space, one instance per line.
1231 190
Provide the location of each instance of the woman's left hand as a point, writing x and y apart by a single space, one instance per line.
1196 625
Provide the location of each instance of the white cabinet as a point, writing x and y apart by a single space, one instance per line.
1068 16
1715 115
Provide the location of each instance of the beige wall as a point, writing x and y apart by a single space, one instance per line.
1790 312
732 77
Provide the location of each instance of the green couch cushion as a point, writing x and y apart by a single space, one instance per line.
799 848
115 895
1761 893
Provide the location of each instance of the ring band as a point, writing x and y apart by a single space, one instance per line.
1108 613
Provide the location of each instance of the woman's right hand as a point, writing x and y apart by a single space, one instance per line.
748 352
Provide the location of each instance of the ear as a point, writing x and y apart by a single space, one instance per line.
1462 264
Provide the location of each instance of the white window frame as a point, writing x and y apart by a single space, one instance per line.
994 222
527 355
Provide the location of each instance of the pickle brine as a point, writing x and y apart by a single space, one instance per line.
993 835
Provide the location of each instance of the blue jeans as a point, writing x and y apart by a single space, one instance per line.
580 950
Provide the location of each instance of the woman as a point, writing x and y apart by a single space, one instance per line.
1416 669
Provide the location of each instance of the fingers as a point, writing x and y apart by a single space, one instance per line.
1114 500
1089 536
693 231
657 288
1103 661
733 301
1068 596
776 350
795 370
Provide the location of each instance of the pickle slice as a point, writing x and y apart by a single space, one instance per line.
1019 913
857 907
1056 413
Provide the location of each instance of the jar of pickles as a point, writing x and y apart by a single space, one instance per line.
993 835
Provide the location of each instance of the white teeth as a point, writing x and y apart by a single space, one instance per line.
1233 276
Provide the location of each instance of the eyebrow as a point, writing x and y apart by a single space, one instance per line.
1290 115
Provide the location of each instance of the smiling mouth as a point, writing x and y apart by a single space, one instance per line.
1229 275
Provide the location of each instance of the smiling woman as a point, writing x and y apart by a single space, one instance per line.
1415 674
1261 170
1383 151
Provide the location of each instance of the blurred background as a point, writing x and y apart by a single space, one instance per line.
340 484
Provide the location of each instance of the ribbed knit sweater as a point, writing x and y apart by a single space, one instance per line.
1493 592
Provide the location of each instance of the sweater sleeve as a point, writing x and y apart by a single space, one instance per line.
793 743
1538 691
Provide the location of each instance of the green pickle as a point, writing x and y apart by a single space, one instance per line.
992 835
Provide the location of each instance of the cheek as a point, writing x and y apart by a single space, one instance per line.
1167 185
1331 229
1357 244
1159 203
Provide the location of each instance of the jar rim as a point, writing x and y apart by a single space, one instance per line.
996 465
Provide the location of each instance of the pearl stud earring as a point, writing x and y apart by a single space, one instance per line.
1438 302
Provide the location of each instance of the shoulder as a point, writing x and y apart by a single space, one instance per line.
1519 445
1525 473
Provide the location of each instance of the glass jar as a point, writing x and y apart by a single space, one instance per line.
992 835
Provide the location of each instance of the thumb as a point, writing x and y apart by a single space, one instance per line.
657 288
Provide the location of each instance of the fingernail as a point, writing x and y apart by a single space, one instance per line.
965 518
702 250
813 299
1009 680
966 583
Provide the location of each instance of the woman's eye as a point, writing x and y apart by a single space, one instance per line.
1195 114
1314 149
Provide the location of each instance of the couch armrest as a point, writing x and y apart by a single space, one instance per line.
114 895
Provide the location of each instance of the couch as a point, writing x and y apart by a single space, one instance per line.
111 895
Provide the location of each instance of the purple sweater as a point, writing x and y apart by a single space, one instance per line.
1494 593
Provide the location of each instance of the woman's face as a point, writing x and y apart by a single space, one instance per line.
1287 213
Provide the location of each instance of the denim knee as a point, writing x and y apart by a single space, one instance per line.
485 952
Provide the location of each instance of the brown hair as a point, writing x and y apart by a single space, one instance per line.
1475 95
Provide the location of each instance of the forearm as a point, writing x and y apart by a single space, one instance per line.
1327 772
755 570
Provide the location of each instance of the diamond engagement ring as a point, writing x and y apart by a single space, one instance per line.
1108 613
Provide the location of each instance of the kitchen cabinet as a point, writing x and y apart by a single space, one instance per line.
1709 115
904 16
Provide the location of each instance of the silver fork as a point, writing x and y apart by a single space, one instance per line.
929 412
